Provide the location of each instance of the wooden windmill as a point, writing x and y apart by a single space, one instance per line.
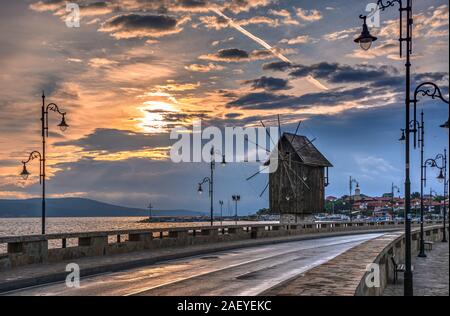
297 186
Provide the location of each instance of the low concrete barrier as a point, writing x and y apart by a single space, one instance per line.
346 274
396 248
34 249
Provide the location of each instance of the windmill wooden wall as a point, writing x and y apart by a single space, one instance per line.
287 180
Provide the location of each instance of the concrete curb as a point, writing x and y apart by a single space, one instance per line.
115 267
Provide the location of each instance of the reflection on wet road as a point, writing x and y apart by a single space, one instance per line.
247 271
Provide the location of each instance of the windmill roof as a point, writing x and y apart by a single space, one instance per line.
306 151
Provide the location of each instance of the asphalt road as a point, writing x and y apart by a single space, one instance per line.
239 272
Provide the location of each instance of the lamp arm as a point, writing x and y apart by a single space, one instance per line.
390 3
36 155
54 107
33 155
434 92
381 7
206 179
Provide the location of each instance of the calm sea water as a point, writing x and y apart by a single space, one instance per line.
32 226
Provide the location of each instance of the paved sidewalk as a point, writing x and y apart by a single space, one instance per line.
431 274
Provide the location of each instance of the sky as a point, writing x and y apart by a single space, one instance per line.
135 69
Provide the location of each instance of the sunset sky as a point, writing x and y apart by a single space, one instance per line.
134 69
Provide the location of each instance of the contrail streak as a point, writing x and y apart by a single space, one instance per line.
263 43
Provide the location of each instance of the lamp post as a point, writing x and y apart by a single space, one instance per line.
393 188
442 177
365 40
431 198
210 180
351 182
150 207
419 128
221 212
45 110
236 199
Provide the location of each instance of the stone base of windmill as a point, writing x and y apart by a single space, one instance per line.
296 218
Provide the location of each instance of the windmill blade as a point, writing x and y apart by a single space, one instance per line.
279 125
308 143
267 132
296 131
289 178
265 188
300 178
246 138
255 174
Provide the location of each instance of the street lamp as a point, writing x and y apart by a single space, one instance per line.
221 212
34 155
442 177
236 199
351 182
431 90
393 187
419 128
366 39
408 284
445 125
431 198
25 174
150 207
45 110
210 180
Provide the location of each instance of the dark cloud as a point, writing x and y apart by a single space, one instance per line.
277 66
269 83
136 25
113 140
193 4
233 115
375 83
338 73
135 21
270 101
375 76
237 55
232 54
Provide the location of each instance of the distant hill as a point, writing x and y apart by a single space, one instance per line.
78 207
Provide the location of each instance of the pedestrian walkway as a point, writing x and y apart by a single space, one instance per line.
431 274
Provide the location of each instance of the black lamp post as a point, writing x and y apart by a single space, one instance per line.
45 110
431 199
363 40
210 181
393 188
236 199
442 177
150 208
351 182
419 127
221 212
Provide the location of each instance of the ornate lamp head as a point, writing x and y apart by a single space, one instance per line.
63 125
366 39
24 174
441 177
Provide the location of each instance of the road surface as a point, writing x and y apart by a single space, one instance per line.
239 272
